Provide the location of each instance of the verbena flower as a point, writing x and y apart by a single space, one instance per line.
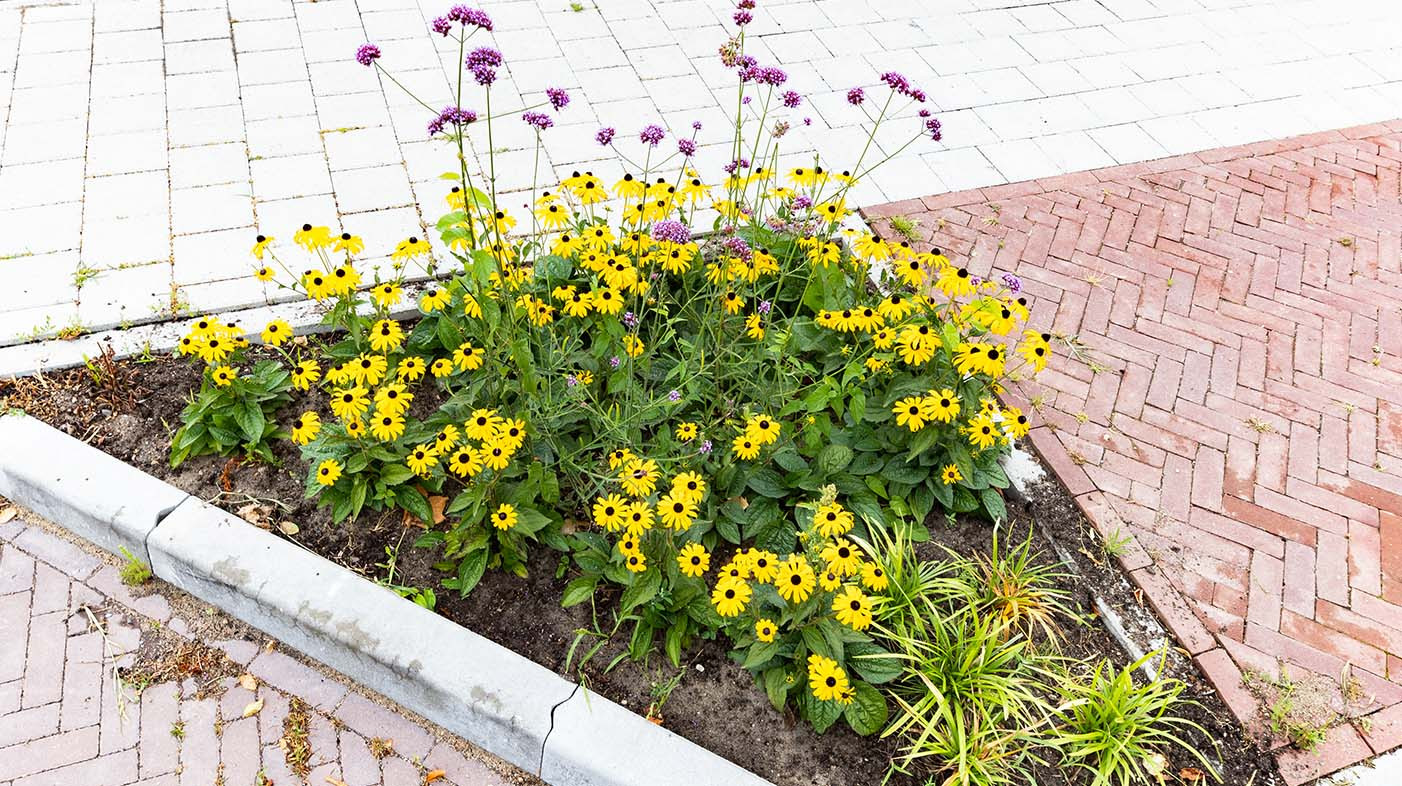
443 26
1014 283
932 126
630 319
773 76
367 54
674 396
470 17
696 125
614 362
483 62
792 99
538 120
671 231
739 163
856 96
605 136
686 147
743 18
451 115
652 134
706 447
896 82
558 97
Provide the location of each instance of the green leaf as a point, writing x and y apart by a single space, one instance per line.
395 474
867 713
673 643
993 503
760 653
822 714
579 590
728 529
778 536
874 664
470 571
768 482
250 419
643 589
834 458
776 686
416 503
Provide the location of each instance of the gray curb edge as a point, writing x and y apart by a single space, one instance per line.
473 687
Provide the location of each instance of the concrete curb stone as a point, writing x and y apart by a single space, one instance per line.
106 501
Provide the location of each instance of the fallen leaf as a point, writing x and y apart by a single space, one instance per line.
248 682
1191 774
437 503
433 775
7 514
253 708
335 782
288 528
259 516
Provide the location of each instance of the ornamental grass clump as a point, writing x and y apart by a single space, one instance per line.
704 387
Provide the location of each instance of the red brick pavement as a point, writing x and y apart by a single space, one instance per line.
61 723
1236 399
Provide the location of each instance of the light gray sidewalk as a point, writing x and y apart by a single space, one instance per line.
144 142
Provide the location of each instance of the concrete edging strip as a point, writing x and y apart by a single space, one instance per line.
469 685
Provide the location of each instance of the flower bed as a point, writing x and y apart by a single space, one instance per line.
723 443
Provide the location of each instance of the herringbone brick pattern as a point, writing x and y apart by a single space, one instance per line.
67 624
1229 390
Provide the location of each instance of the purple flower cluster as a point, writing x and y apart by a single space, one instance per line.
737 246
706 447
614 362
764 306
737 164
443 26
932 125
558 97
856 96
674 396
367 54
1014 283
687 147
764 75
470 17
571 380
605 136
671 231
484 62
801 202
451 115
901 85
743 18
630 319
652 134
792 99
539 120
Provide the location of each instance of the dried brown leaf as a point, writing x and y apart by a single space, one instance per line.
253 708
248 682
433 775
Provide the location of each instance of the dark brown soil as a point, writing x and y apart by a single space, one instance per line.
715 703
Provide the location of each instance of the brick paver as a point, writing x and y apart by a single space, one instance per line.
142 141
1229 391
67 625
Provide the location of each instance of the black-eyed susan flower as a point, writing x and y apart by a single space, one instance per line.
609 512
312 238
619 457
693 560
629 544
635 563
950 474
1036 349
495 456
393 399
410 369
689 486
955 282
467 357
754 327
677 512
260 247
732 302
943 405
369 369
730 596
764 565
223 376
842 557
434 300
276 333
349 244
913 412
264 273
505 517
762 429
687 431
465 462
305 428
795 579
633 345
1015 423
350 403
355 429
745 447
386 336
829 580
328 472
832 520
765 629
982 431
638 476
639 518
446 438
827 680
874 577
305 373
410 248
386 294
482 424
606 300
441 367
511 433
385 427
852 608
736 568
421 460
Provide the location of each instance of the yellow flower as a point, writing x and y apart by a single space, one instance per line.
369 369
441 367
1035 349
1015 423
223 376
465 462
833 520
874 577
606 300
510 433
912 412
328 472
982 431
693 560
950 474
386 428
467 357
350 244
689 486
386 294
421 459
311 238
639 477
408 249
763 565
842 557
386 336
410 369
304 374
754 327
762 429
350 403
829 580
355 429
434 300
305 428
827 680
795 579
482 424
955 282
505 518
853 608
745 447
677 513
393 399
730 596
765 629
635 563
609 512
496 456
260 245
619 457
632 345
687 431
943 405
